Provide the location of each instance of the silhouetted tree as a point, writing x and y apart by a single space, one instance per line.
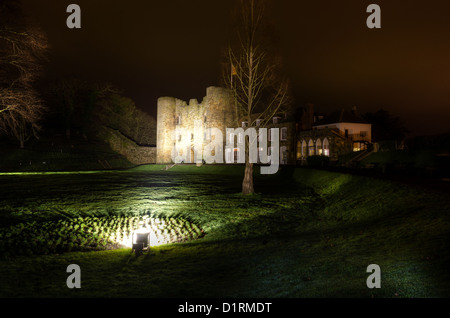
386 127
22 50
120 113
69 101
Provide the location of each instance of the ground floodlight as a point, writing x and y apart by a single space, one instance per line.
141 241
138 248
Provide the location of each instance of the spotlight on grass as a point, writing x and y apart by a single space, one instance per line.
141 241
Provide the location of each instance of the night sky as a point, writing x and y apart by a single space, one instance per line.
152 48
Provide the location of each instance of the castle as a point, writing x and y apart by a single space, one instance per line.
215 111
300 138
176 115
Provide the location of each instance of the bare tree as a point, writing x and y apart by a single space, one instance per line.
252 73
21 52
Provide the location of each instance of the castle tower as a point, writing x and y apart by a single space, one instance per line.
215 111
219 104
166 121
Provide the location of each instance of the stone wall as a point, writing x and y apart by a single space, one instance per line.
126 147
215 111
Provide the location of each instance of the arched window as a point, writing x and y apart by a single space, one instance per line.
304 149
326 147
319 150
299 150
311 149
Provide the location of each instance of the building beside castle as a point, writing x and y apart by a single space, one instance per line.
338 134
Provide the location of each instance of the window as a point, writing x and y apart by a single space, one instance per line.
283 155
258 122
276 120
179 138
363 133
178 120
304 149
326 147
319 149
311 150
299 150
284 133
192 136
244 124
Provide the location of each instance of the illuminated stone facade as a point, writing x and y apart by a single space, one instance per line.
215 111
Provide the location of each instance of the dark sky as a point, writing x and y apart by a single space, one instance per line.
152 48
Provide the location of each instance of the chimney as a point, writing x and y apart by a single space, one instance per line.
310 116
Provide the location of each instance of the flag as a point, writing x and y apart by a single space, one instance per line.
233 70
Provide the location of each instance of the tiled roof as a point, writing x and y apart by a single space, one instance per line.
341 117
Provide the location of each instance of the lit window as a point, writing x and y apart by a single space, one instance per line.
326 147
312 148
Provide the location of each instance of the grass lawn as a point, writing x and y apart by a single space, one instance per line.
306 233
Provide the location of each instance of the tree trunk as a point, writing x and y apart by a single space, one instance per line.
247 183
